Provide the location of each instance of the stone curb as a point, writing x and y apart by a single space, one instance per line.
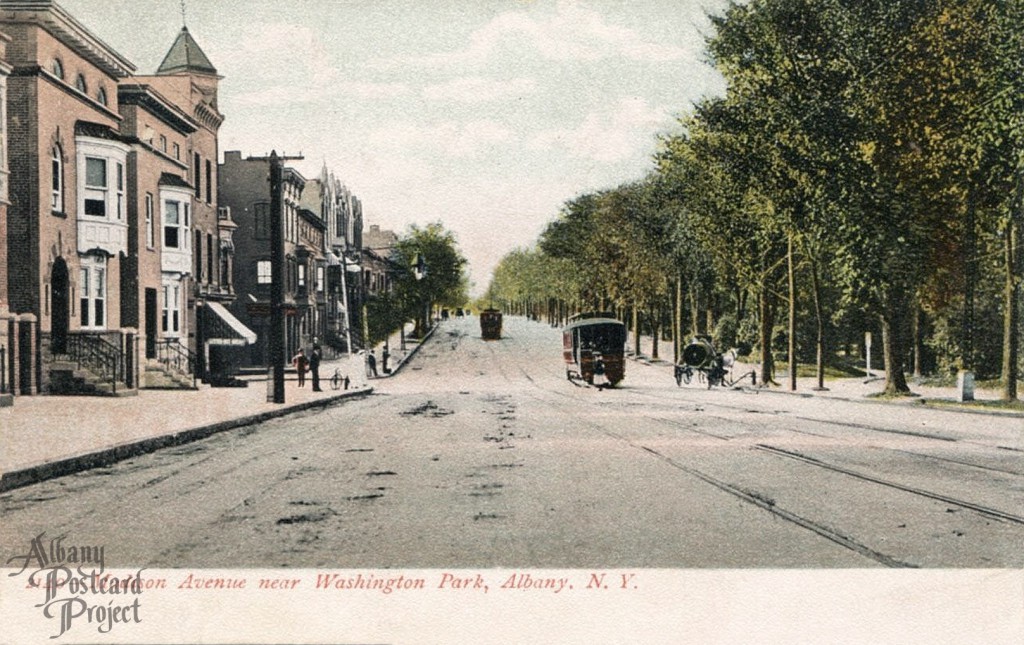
112 454
408 357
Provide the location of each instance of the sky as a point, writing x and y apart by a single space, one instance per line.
485 115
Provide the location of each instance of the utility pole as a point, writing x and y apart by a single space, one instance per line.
276 342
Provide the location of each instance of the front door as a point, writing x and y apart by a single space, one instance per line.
151 314
60 320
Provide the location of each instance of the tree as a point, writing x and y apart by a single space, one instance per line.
433 272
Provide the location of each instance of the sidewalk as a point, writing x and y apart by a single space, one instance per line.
42 437
849 389
48 436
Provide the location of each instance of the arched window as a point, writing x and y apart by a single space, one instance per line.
80 84
57 193
101 96
58 69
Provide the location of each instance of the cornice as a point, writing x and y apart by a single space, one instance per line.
54 19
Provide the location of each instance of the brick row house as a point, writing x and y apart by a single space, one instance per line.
245 193
322 231
116 247
15 330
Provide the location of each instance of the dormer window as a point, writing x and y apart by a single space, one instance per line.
101 96
80 84
58 69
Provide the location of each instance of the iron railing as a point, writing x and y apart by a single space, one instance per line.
175 356
98 355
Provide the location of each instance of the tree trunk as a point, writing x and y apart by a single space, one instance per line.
767 322
791 278
970 278
655 330
695 309
1011 341
892 348
677 327
917 346
636 331
819 343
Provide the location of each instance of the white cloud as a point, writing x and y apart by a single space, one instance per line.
474 89
447 138
608 135
366 90
573 32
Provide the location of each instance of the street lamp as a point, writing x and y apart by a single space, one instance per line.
419 269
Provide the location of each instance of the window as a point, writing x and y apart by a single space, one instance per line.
101 96
170 320
225 269
209 258
198 177
302 277
150 237
172 224
319 279
101 177
197 251
58 68
209 182
120 190
57 194
261 213
95 186
80 84
177 151
263 272
92 288
163 143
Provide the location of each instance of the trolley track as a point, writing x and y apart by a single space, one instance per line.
978 508
548 396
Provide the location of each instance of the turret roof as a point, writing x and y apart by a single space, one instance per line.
186 56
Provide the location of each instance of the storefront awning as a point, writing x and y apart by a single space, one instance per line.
224 329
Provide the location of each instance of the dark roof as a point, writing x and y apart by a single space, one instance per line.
95 130
185 56
170 179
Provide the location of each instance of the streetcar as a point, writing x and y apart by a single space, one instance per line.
490 324
593 348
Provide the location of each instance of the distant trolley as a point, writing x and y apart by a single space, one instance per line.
490 324
593 347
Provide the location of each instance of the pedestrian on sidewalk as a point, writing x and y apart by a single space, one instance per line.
301 363
314 365
384 360
371 364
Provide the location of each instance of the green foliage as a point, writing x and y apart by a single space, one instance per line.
885 138
444 280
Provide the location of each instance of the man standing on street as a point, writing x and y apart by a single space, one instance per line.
314 365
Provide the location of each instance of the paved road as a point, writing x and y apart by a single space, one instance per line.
482 454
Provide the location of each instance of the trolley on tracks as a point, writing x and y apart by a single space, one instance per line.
490 324
593 348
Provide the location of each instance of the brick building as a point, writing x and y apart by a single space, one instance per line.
10 323
67 221
115 238
245 189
